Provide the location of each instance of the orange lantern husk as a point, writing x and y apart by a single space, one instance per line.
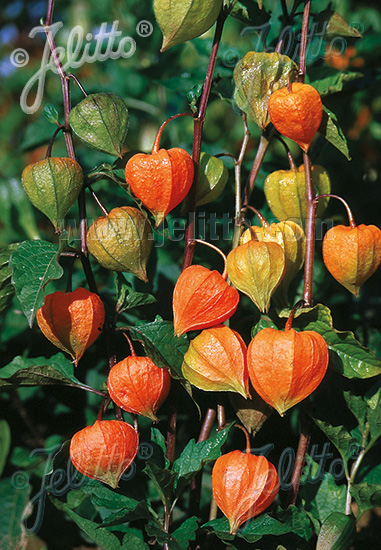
72 321
139 386
216 361
244 485
104 450
286 366
201 299
161 180
296 112
352 254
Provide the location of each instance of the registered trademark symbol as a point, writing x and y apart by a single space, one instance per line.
144 28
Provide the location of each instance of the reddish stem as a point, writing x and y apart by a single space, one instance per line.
309 231
261 151
156 143
303 41
132 351
197 139
225 272
290 319
351 219
248 446
103 208
51 142
260 216
304 441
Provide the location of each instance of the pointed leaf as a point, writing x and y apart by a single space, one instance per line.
34 264
340 437
128 298
330 497
333 24
374 414
161 345
40 371
163 481
357 406
7 290
332 132
337 532
328 80
196 455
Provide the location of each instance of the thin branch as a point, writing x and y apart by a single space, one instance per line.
304 440
303 41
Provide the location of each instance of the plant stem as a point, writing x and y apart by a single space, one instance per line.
303 41
304 440
310 232
261 151
195 491
197 139
355 467
351 219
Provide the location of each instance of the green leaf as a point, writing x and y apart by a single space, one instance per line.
7 290
366 496
163 481
327 80
5 443
51 113
128 298
330 497
220 527
340 437
195 455
337 532
186 531
298 519
132 542
34 264
158 438
347 355
182 21
332 132
357 406
101 121
212 179
161 345
40 371
104 538
256 76
264 525
374 411
107 171
14 507
264 322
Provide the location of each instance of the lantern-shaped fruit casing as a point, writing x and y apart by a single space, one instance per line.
256 269
216 361
244 485
352 254
290 236
138 386
285 192
286 366
72 321
161 180
201 299
53 185
104 450
296 112
122 241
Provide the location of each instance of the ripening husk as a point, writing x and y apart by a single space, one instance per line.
296 112
285 367
104 450
72 321
216 361
244 485
256 269
138 386
160 180
290 236
352 254
285 192
122 241
201 299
